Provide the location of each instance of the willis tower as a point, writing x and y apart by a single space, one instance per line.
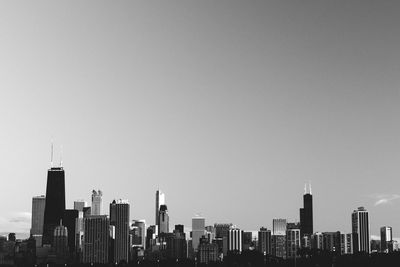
306 213
55 201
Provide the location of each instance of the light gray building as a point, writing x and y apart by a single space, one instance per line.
38 205
97 202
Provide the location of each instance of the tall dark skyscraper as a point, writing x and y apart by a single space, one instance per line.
55 203
306 213
119 217
69 221
360 230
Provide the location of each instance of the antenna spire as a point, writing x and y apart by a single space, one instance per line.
310 188
305 188
51 154
61 155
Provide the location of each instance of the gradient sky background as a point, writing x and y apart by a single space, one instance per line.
229 107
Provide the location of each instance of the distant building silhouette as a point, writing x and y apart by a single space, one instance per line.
96 239
221 236
55 203
164 219
331 241
207 252
306 213
346 243
386 239
279 238
176 244
70 222
38 205
140 239
198 230
264 241
235 240
79 205
60 243
119 218
360 230
160 200
97 202
317 241
293 240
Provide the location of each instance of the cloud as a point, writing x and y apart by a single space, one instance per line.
19 222
20 217
384 199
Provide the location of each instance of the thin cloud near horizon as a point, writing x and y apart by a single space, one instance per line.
384 199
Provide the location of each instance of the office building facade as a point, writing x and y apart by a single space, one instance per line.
119 218
38 205
96 239
360 230
97 202
55 203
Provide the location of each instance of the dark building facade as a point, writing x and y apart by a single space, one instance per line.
360 230
69 221
119 218
264 241
55 203
306 214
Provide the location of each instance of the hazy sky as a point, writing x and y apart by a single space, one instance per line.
229 107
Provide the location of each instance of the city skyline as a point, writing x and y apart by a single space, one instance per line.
229 98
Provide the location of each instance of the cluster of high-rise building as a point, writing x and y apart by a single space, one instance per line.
85 234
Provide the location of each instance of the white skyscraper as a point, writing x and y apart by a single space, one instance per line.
235 239
160 200
38 205
97 202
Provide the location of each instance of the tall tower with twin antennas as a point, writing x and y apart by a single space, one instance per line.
306 213
55 200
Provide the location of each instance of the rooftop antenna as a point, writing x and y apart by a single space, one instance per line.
310 187
305 188
51 154
61 154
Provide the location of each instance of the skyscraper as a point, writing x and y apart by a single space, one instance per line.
160 200
221 236
95 247
306 213
264 241
198 230
119 218
38 205
235 240
79 205
70 222
279 238
346 244
97 202
386 239
360 230
279 226
141 227
60 243
55 202
164 219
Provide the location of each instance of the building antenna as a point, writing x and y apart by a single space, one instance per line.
51 154
61 155
309 184
305 188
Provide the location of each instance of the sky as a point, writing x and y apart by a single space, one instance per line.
229 107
